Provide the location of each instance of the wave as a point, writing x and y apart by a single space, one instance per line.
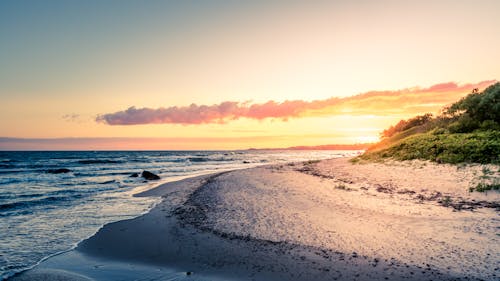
99 173
17 171
100 161
198 159
28 195
205 159
175 160
139 160
78 192
7 195
9 181
32 203
79 174
51 198
127 173
24 212
68 192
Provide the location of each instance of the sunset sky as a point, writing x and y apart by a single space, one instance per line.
233 74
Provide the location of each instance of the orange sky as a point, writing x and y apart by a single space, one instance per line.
261 74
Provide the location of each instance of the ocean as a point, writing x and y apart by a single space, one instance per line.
43 213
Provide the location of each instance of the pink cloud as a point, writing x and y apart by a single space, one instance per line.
405 101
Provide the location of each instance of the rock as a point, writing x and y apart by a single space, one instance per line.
149 176
107 182
59 171
134 175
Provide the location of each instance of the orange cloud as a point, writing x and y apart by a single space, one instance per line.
405 101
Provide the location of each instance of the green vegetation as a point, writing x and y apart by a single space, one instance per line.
446 201
482 187
477 147
466 131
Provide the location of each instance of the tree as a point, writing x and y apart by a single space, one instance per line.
478 106
404 125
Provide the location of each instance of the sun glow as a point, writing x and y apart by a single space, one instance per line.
366 139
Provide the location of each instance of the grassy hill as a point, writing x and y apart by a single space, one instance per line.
467 131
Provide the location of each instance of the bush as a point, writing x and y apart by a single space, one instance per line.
489 125
464 124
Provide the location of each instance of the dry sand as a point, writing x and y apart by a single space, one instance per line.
328 220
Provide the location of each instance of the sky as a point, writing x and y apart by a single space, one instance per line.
233 74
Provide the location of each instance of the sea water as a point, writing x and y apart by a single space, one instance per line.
43 213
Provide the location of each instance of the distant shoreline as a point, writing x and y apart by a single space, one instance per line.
135 144
361 146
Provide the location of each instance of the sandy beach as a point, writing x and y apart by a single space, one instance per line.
318 220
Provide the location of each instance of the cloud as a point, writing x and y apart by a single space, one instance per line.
405 101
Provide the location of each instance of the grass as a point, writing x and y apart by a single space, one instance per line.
446 201
355 160
487 171
483 187
476 147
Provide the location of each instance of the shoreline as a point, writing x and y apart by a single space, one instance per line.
136 192
275 222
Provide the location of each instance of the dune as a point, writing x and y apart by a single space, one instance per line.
318 220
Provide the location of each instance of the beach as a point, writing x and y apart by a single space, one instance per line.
315 220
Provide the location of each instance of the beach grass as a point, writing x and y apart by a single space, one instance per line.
483 187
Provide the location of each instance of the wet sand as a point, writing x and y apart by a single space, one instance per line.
328 220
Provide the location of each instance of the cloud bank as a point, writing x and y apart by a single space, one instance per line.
406 101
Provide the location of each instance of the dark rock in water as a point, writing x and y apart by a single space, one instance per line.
106 182
149 176
59 171
198 159
134 175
